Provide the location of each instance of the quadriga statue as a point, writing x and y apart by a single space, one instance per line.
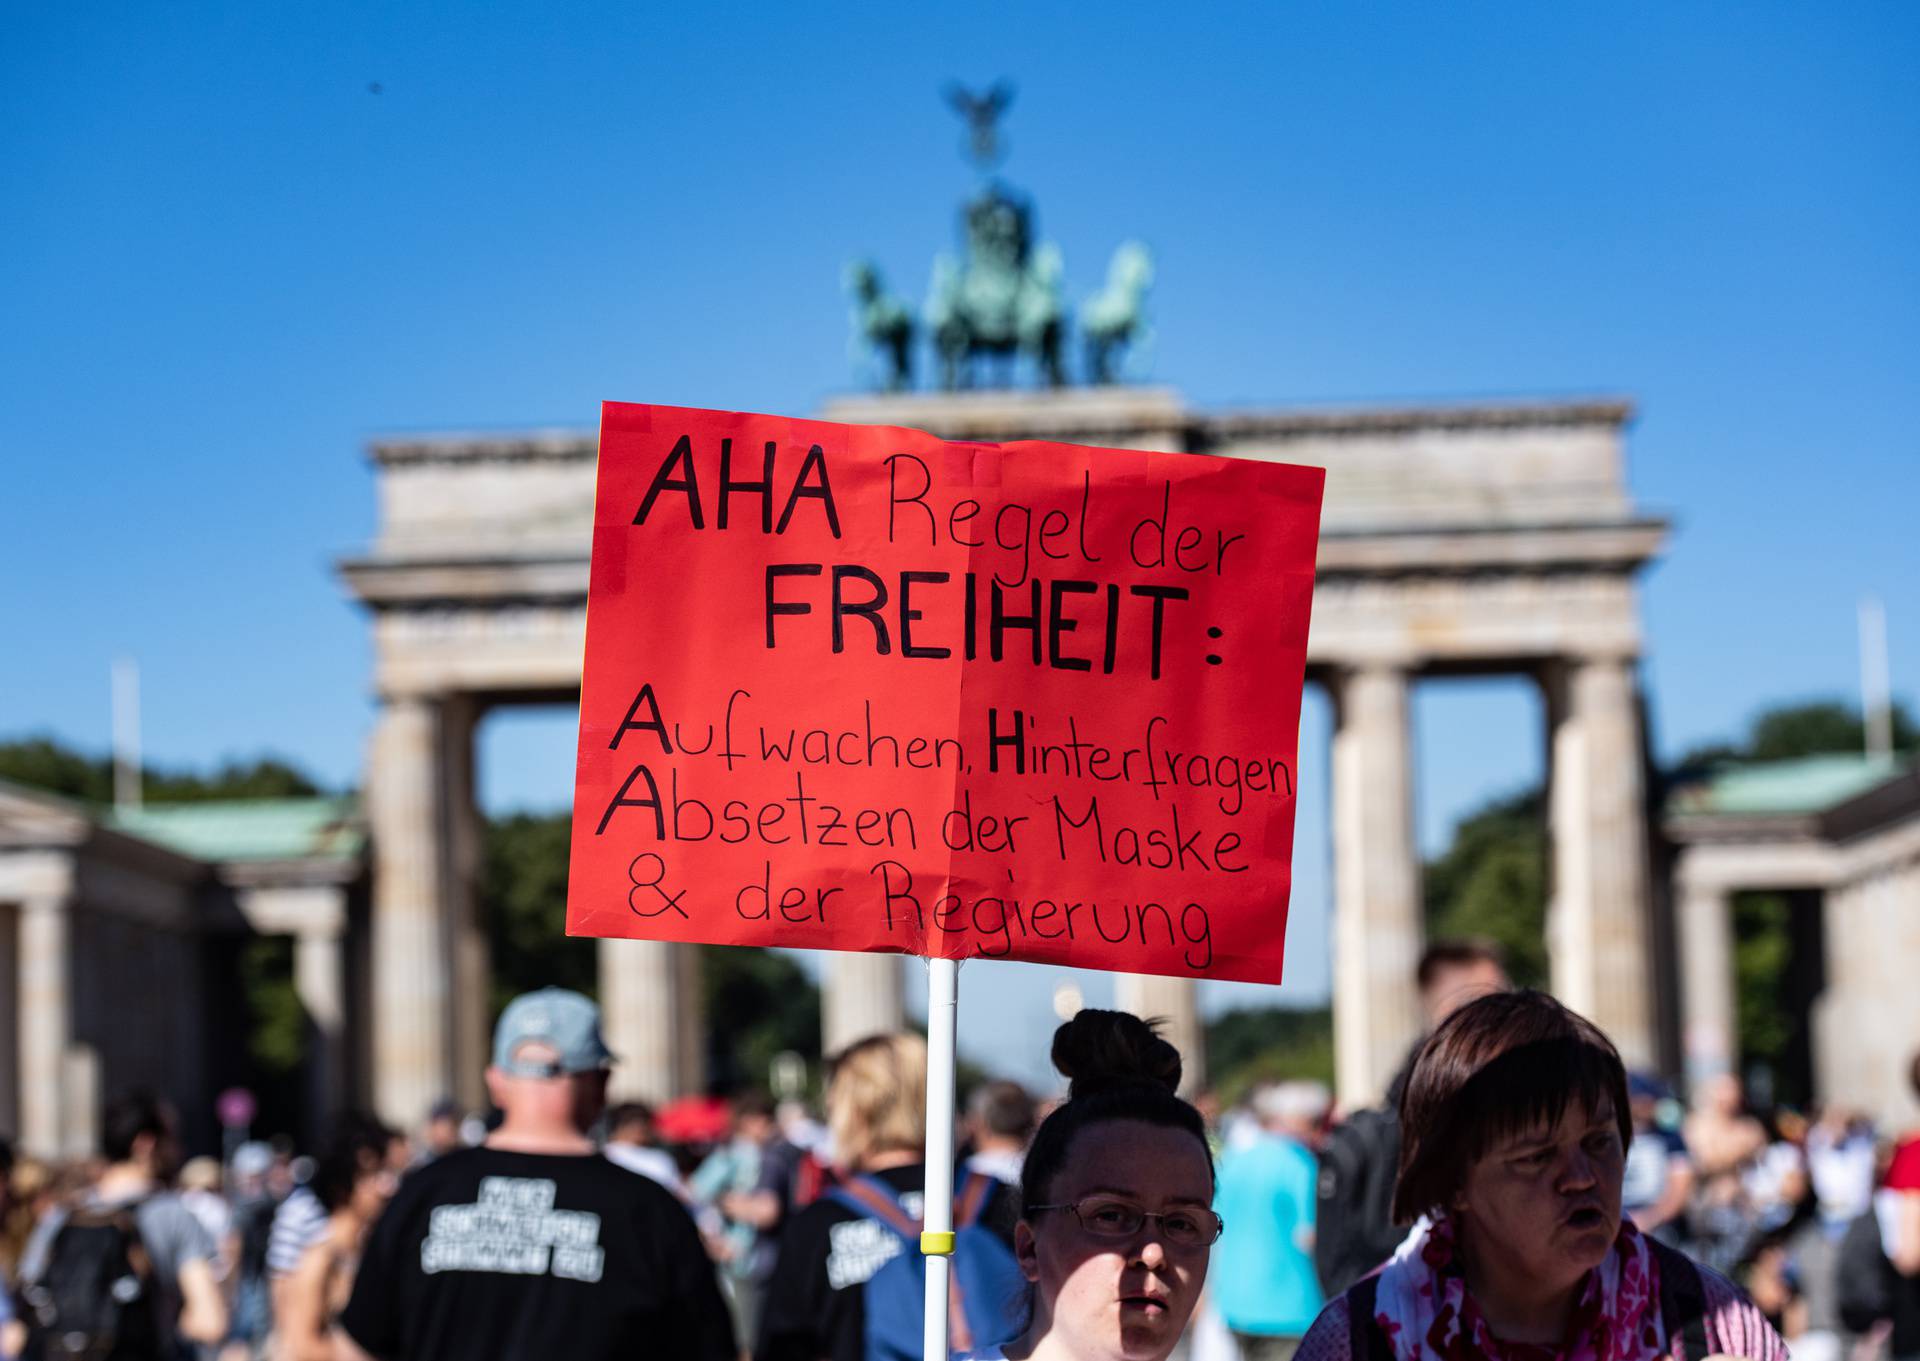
1003 300
881 322
1115 318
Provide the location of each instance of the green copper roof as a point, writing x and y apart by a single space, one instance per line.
251 829
1806 785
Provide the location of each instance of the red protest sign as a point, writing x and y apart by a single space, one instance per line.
860 688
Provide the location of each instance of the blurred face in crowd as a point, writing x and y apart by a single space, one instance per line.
1106 1290
371 1191
1543 1205
1721 1096
1454 985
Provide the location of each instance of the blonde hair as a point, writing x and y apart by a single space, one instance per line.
877 1098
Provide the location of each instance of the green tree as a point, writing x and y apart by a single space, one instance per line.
47 763
1492 881
1267 1044
1816 727
523 902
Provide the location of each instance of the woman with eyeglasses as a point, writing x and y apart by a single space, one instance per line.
1116 1196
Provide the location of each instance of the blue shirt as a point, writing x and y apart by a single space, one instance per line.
1262 1275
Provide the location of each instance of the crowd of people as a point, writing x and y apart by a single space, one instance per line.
1519 1194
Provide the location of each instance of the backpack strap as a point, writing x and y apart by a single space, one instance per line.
971 1198
1365 1341
1683 1301
871 1198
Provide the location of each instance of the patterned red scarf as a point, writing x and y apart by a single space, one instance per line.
1423 1307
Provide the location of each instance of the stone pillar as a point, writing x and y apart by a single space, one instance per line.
320 982
45 1024
412 962
1174 1001
1598 931
862 995
1865 1020
10 1010
1378 926
653 1021
1703 931
471 960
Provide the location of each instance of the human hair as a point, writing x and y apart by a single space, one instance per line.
1002 1108
877 1098
129 1117
1501 1065
1454 952
358 1146
630 1113
752 1102
1117 1068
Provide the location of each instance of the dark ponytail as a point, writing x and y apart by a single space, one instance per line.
1117 1068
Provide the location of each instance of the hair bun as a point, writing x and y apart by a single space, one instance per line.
1101 1049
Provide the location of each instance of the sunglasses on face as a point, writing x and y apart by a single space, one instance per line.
1111 1217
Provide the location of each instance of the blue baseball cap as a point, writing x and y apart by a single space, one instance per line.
557 1019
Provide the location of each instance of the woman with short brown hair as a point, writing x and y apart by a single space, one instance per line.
1514 1133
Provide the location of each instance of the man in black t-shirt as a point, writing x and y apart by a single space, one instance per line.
534 1245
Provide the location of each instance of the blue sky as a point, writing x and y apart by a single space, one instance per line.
229 262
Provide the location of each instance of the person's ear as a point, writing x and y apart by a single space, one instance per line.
496 1087
1026 1251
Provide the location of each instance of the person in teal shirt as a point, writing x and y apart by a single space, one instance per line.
1263 1282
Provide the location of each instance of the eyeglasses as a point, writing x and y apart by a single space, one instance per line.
1105 1217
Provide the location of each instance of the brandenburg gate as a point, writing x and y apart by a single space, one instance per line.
1492 538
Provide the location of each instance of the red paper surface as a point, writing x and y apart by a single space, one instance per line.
854 797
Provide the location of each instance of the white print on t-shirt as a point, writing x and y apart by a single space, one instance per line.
515 1231
860 1247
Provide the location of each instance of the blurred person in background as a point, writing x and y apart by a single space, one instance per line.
724 1186
126 1269
633 1142
352 1180
253 1206
534 1245
1263 1277
1000 1124
200 1186
1361 1155
300 1220
441 1134
816 1305
1659 1175
1516 1121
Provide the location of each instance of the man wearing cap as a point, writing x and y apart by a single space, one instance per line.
533 1245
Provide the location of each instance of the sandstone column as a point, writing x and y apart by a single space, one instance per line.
466 932
1703 929
45 1022
861 995
1378 926
412 962
319 980
1598 932
1174 1001
653 1021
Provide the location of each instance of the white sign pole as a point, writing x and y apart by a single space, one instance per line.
936 1238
